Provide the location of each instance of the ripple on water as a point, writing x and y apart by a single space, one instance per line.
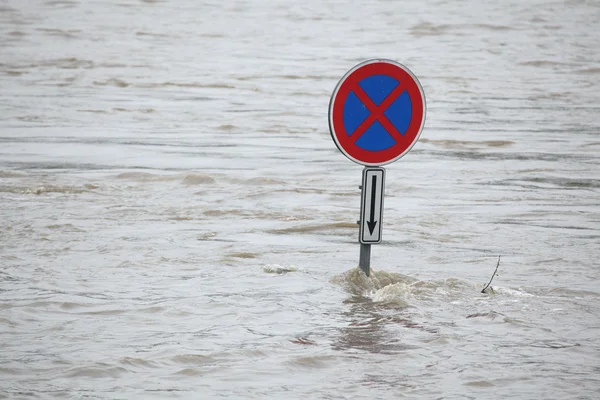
96 370
197 179
138 362
312 362
194 359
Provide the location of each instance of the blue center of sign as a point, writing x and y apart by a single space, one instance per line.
399 113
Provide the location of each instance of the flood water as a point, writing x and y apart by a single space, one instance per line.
176 222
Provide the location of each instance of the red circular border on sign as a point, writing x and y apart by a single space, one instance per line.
346 144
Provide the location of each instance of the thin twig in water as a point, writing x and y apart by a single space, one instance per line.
492 278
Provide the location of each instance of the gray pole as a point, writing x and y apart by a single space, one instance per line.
364 261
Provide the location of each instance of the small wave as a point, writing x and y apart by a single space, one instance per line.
589 71
259 181
142 110
489 315
193 359
243 255
302 77
66 63
358 284
394 294
11 174
303 341
67 305
429 29
182 218
207 236
224 213
65 227
137 362
189 372
564 292
14 73
151 310
197 179
551 96
542 63
8 322
151 34
278 269
146 177
511 292
64 3
226 127
311 362
251 213
592 144
494 27
400 290
265 181
69 34
479 384
96 371
567 183
554 344
93 111
504 156
188 85
439 290
112 82
453 144
45 189
315 228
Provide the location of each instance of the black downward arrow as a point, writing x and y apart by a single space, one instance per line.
371 222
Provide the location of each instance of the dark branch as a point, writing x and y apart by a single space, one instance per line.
492 278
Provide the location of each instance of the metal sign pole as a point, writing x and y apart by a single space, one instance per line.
364 261
371 214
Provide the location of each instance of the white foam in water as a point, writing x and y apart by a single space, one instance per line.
511 292
278 269
395 292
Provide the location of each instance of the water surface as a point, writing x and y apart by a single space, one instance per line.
176 221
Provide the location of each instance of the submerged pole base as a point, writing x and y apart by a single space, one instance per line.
364 261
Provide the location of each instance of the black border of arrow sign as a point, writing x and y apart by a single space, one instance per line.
363 223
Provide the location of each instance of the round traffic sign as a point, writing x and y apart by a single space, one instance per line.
377 112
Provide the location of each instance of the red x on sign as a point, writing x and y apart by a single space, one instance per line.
377 112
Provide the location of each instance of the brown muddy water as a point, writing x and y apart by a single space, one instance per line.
176 222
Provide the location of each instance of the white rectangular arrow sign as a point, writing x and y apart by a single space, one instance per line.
371 205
